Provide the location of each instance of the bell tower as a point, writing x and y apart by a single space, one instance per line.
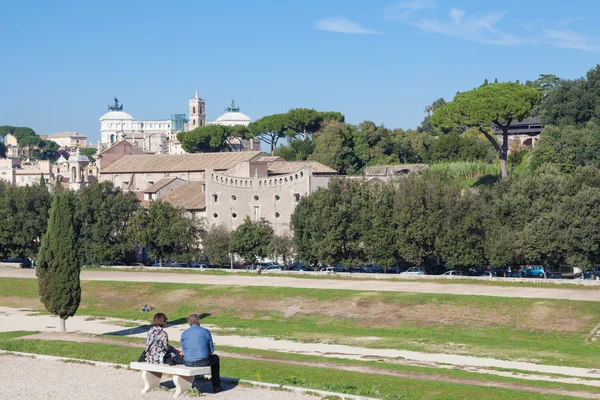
197 112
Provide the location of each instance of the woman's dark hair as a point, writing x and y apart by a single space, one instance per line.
160 319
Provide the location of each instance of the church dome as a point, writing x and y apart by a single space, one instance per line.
116 115
233 118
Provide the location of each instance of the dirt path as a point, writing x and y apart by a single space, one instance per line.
365 370
382 286
12 319
28 378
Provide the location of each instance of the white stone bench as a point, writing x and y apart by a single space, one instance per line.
183 376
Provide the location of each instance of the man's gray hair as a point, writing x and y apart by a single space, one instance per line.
193 319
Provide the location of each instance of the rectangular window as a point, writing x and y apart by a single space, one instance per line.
256 213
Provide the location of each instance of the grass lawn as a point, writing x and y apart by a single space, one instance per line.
536 330
331 379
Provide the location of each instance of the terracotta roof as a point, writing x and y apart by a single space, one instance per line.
270 158
66 135
160 184
286 167
178 162
188 196
140 197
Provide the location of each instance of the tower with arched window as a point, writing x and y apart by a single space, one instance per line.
197 112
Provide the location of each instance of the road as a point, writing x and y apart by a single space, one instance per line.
340 284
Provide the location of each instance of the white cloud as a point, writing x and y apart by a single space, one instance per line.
568 39
477 28
343 25
406 9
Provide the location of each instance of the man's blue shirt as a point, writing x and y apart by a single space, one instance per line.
196 343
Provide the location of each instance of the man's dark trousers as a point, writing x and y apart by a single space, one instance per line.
215 368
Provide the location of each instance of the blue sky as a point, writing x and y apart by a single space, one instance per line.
372 60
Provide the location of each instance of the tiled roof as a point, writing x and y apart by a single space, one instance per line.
66 135
269 158
286 167
188 196
178 162
140 197
160 184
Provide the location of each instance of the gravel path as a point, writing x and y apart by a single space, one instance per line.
12 319
382 286
29 378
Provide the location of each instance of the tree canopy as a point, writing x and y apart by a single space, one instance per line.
496 104
57 269
251 240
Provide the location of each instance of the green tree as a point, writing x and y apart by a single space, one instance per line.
23 219
205 139
496 104
568 147
166 231
216 242
296 150
303 122
18 132
57 269
269 129
327 225
429 110
251 240
418 215
102 215
334 147
571 102
281 246
378 226
89 151
461 242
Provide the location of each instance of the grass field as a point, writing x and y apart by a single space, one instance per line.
381 385
536 330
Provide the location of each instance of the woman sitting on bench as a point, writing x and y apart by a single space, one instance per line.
157 341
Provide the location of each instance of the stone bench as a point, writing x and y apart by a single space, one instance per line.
183 376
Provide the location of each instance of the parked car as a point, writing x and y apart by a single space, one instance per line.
336 268
395 270
533 271
436 270
197 264
414 271
452 273
178 265
371 269
299 268
273 268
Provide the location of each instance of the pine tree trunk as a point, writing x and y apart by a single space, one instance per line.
63 327
504 153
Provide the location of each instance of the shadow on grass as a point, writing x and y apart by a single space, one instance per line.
145 328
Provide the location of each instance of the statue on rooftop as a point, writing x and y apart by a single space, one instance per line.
232 107
116 106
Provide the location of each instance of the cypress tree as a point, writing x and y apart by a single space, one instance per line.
58 270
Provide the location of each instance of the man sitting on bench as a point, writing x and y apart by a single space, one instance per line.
198 349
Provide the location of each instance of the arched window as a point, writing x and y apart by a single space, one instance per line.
215 197
193 110
297 197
